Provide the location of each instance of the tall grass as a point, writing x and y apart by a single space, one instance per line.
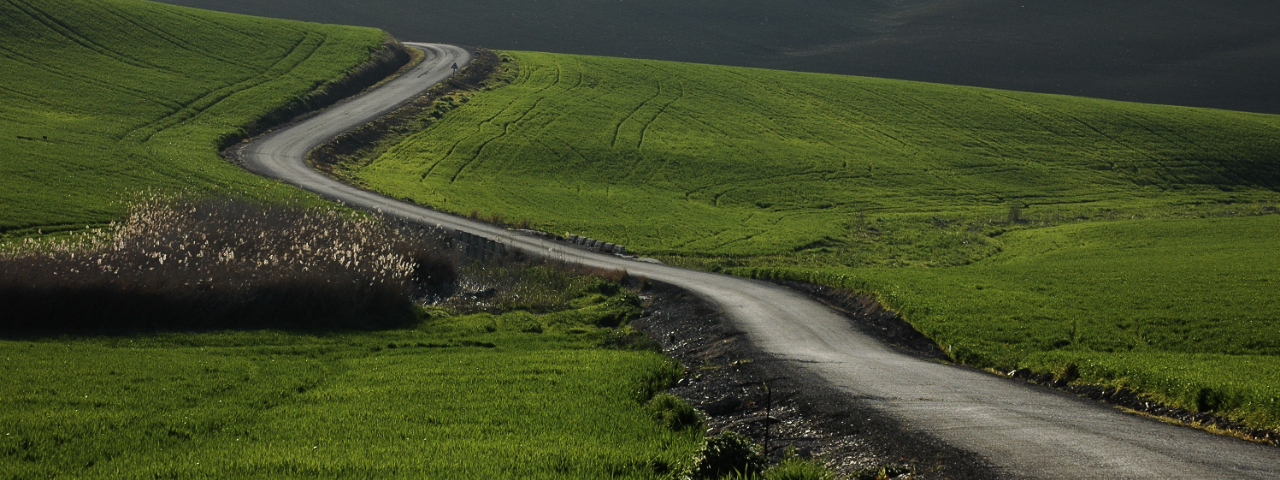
214 263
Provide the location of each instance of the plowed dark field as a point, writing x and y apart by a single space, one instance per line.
1181 52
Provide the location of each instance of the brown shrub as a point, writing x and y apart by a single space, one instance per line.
184 263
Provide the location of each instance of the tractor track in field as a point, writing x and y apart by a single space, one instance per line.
1009 428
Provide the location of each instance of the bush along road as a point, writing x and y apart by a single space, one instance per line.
1023 430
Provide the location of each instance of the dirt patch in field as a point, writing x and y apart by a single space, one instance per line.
727 377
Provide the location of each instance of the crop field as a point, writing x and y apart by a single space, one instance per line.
103 98
674 159
459 396
1015 227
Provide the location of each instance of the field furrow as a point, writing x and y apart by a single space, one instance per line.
645 130
617 129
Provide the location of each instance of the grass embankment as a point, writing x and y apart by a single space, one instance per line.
1092 226
106 97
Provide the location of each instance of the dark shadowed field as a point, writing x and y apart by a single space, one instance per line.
1182 52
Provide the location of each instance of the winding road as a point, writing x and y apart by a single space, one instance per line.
1023 430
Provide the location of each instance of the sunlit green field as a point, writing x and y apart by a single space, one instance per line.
1182 309
1015 227
103 98
687 159
477 396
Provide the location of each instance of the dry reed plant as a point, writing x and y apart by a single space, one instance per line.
217 263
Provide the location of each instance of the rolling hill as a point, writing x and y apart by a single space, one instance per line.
1020 230
704 160
107 98
1181 52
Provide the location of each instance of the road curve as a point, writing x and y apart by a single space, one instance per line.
1023 430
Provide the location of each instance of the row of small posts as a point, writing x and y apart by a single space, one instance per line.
598 245
478 247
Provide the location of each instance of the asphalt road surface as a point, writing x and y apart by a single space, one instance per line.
1024 430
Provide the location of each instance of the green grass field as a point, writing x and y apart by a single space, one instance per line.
464 396
705 160
1016 227
104 98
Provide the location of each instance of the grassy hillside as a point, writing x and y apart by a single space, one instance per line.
102 98
1184 309
1184 52
694 159
1092 226
471 396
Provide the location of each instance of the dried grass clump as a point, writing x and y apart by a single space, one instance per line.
535 285
202 263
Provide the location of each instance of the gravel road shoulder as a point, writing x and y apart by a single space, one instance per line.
726 380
